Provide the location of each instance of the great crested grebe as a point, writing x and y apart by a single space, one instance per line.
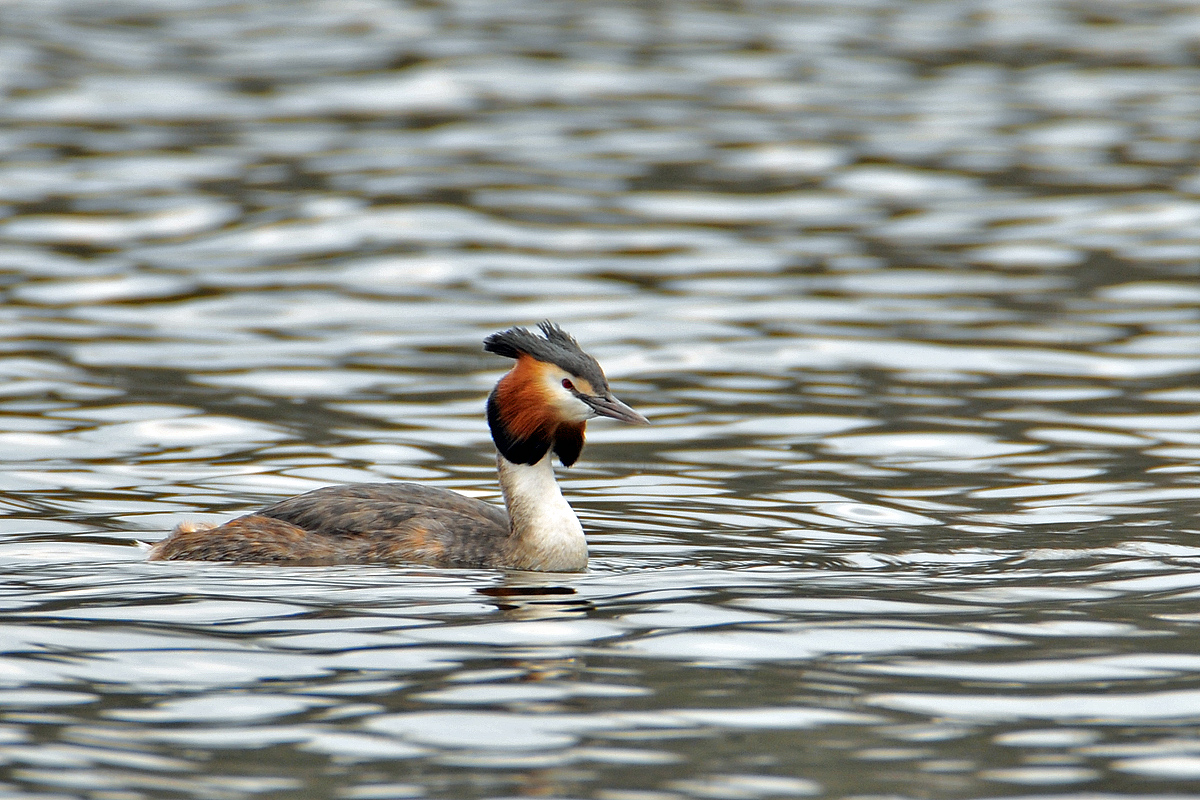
541 406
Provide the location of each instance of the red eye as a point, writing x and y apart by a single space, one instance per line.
568 385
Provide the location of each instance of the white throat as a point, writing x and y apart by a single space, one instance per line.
546 534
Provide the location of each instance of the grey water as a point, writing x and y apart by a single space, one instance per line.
908 289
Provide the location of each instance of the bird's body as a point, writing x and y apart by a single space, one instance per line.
539 409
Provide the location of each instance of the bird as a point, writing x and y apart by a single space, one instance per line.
539 409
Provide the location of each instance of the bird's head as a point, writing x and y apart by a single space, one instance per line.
548 396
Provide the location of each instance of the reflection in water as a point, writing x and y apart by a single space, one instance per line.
523 595
908 289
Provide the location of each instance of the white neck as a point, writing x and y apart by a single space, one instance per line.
546 534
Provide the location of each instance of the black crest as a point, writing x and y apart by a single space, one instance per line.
555 346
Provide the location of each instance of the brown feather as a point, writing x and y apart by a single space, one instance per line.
530 421
524 407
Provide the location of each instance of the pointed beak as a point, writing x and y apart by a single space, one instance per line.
609 406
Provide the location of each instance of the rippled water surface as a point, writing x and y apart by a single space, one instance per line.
909 290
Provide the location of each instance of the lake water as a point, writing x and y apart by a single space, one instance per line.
909 290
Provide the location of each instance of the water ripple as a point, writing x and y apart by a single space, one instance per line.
907 290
